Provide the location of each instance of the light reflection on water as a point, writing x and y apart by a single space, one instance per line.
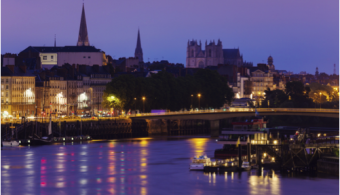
138 166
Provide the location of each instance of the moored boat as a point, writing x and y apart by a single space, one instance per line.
199 162
10 143
245 166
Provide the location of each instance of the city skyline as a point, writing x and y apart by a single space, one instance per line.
302 42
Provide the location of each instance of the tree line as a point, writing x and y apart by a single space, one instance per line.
164 91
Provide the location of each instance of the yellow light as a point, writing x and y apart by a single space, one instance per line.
199 95
262 160
143 98
324 134
273 159
319 134
275 142
264 154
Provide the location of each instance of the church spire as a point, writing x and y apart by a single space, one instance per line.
83 39
139 51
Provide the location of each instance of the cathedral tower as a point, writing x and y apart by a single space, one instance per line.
83 39
139 51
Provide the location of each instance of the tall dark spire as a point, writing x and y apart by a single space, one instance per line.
83 39
55 41
139 51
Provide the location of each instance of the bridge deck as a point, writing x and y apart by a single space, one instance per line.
238 112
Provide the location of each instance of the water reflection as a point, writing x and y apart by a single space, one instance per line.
198 145
136 166
264 184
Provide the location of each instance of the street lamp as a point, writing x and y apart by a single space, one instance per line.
199 101
135 106
143 104
192 96
320 100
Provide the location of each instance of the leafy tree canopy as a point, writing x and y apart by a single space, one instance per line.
164 91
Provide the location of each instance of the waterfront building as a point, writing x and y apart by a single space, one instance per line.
17 91
212 55
261 80
71 90
94 80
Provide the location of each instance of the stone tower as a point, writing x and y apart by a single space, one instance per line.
213 53
139 51
198 58
83 39
270 63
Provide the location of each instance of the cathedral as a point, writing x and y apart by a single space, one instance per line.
212 55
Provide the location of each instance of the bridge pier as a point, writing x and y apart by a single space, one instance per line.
214 128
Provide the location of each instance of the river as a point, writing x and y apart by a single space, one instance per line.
156 165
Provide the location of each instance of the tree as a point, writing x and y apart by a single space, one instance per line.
164 91
275 98
298 93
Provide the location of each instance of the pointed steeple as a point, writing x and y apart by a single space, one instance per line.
139 51
83 39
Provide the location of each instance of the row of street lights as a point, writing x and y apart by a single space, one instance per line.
199 100
143 98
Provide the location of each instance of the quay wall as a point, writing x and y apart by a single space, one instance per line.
328 165
108 129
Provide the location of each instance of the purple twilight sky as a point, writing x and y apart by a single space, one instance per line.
300 35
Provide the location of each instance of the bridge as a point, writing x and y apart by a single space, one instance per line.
215 115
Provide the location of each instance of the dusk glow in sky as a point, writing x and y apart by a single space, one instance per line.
300 35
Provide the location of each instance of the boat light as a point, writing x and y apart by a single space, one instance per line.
72 138
63 139
29 141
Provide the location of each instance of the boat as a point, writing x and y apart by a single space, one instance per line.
199 162
10 143
245 166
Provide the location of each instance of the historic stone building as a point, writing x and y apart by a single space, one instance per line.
270 63
82 53
213 55
139 51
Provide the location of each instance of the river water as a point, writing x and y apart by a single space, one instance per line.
157 165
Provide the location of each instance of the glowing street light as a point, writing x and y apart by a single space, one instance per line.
143 104
199 101
191 100
320 100
135 105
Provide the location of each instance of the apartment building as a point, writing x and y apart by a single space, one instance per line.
261 80
17 91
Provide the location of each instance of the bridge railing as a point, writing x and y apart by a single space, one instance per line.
259 110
